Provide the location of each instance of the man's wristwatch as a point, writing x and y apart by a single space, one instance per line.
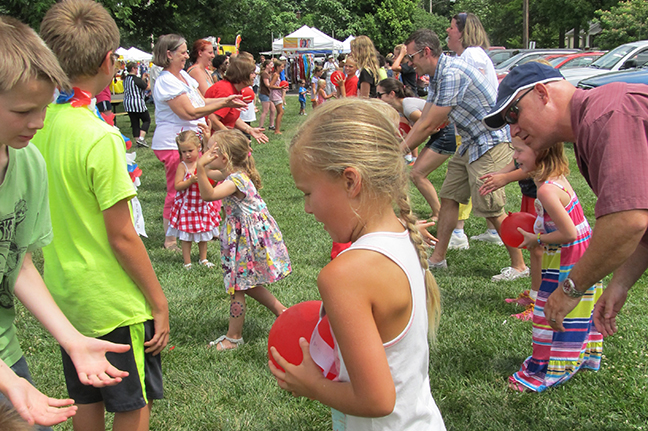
570 290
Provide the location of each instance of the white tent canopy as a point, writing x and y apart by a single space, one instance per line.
346 45
134 54
307 39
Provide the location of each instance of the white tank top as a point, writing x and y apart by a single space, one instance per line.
408 354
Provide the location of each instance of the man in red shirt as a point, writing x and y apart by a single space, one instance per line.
609 128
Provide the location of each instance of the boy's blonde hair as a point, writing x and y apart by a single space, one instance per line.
81 33
359 133
26 57
551 162
236 146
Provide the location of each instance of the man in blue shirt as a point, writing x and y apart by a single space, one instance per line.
460 93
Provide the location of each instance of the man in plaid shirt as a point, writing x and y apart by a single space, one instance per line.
461 93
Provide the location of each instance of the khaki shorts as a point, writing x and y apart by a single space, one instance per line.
462 180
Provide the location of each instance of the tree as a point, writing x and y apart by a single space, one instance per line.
626 22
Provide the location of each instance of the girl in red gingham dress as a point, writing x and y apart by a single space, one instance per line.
192 219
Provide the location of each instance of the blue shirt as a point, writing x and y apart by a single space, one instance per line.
462 87
302 94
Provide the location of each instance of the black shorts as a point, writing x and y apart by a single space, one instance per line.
144 381
104 106
443 141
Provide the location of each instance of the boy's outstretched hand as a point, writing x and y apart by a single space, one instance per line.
89 357
37 408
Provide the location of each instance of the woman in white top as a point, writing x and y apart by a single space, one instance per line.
441 145
178 106
467 37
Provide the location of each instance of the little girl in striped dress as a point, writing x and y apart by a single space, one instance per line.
192 219
564 233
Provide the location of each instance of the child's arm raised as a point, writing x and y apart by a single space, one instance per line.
209 193
132 256
550 196
180 183
347 294
88 354
32 405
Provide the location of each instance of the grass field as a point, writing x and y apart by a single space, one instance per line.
479 344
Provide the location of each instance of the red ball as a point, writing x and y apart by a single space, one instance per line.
284 84
248 94
509 232
337 78
297 321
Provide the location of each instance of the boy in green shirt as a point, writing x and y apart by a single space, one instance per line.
96 267
29 73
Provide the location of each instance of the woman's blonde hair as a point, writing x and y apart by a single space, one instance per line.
551 162
472 31
236 146
364 52
362 133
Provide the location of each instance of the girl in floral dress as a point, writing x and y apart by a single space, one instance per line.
564 233
253 253
192 219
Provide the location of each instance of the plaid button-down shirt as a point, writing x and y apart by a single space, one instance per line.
462 87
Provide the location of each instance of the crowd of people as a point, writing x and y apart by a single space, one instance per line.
64 187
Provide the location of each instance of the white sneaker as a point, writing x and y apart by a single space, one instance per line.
488 237
408 158
458 242
510 273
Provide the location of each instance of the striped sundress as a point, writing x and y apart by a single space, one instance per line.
559 355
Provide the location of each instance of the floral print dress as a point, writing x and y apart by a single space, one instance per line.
252 249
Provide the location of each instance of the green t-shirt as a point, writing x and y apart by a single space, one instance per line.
86 164
24 227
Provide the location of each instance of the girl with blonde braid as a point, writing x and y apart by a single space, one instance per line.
380 299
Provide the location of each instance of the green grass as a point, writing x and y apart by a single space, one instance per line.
479 344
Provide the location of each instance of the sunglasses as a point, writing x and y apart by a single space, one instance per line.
411 56
512 114
379 94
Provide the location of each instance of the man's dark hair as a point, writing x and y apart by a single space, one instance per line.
425 37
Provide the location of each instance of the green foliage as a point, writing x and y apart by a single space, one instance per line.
626 22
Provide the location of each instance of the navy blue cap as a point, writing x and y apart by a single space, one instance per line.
518 79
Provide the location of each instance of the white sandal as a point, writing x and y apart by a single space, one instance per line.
187 266
207 263
219 342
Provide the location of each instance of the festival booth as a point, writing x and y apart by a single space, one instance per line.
301 46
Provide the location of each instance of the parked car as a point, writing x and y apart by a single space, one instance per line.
633 76
626 56
580 59
524 56
498 56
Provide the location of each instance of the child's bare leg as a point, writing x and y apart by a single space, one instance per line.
267 299
536 267
136 420
202 250
168 240
236 320
186 252
89 417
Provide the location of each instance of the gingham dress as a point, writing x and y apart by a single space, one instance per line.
557 356
193 219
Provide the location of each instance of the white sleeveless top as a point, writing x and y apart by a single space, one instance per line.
408 354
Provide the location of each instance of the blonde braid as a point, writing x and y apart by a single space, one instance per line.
433 294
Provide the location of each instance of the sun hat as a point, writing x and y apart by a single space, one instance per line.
519 78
